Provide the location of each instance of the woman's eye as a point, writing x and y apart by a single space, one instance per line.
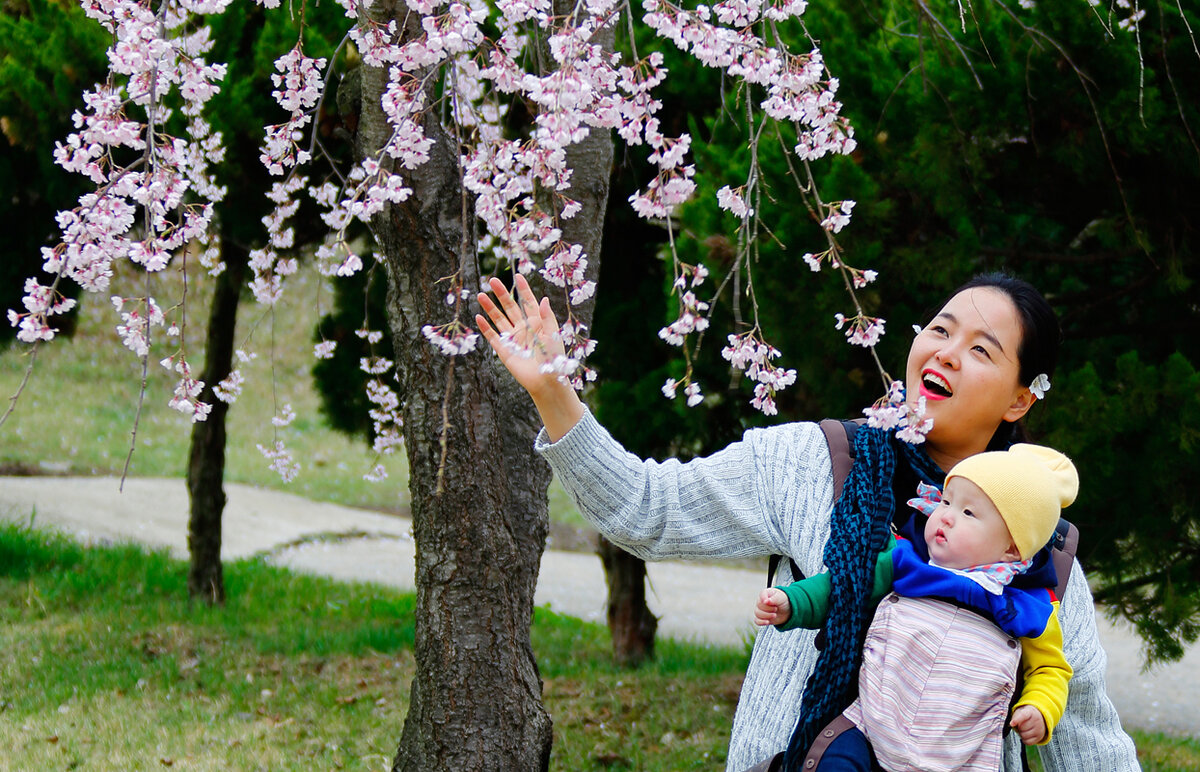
983 351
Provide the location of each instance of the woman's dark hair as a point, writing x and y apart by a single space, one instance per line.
1040 338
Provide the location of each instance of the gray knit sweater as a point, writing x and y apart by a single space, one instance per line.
772 493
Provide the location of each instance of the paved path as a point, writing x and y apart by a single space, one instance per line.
154 512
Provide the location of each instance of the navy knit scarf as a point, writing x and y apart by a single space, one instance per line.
858 530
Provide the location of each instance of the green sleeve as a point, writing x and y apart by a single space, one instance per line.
809 598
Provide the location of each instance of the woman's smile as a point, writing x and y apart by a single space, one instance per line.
934 385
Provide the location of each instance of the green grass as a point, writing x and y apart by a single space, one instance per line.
107 666
78 411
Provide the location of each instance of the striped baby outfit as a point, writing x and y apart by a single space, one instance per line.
934 687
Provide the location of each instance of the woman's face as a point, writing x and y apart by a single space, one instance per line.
964 363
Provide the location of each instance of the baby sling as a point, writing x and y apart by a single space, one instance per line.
839 436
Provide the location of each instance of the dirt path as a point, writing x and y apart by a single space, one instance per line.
352 544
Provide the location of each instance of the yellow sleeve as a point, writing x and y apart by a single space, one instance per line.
1046 673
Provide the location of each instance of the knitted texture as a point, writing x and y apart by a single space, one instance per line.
858 530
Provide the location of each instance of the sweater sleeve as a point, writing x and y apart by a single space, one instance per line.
1089 736
765 494
1046 674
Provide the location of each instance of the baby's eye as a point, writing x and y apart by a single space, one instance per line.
968 513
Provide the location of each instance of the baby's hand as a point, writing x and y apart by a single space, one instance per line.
1028 722
773 608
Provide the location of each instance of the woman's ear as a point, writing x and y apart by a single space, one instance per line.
1022 401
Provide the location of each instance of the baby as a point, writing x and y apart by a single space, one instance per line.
941 654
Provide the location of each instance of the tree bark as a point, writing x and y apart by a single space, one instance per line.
206 456
630 622
478 491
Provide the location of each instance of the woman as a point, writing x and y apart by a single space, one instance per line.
771 493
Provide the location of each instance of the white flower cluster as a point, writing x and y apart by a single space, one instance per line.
452 339
267 266
863 331
751 353
230 387
732 201
691 390
284 417
154 57
282 462
135 325
892 412
798 88
838 217
186 397
578 346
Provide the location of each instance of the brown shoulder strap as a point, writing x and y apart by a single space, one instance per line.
839 453
837 437
1066 542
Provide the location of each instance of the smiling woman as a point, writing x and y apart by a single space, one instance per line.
772 493
972 365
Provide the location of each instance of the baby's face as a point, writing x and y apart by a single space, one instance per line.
966 529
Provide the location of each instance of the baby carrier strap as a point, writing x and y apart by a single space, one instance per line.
833 730
1064 543
839 436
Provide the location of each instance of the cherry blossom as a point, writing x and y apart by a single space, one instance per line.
153 195
893 412
863 330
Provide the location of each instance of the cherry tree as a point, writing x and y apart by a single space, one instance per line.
483 147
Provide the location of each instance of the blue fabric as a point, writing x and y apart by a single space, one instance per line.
1022 613
859 527
1039 575
849 752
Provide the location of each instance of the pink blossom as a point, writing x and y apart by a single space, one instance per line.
282 462
838 217
731 201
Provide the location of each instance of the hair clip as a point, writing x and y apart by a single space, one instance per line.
1040 386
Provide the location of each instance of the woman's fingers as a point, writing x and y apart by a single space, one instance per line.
507 314
508 303
528 299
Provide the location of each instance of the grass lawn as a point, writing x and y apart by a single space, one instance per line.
107 666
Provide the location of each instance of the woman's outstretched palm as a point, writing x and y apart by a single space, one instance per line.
524 335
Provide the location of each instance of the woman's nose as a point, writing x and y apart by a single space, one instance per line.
947 356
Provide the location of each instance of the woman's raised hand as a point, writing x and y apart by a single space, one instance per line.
524 334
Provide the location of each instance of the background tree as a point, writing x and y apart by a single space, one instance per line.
480 527
248 41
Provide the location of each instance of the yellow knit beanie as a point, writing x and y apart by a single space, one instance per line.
1029 484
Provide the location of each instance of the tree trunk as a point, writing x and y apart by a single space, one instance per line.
478 492
206 457
630 622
